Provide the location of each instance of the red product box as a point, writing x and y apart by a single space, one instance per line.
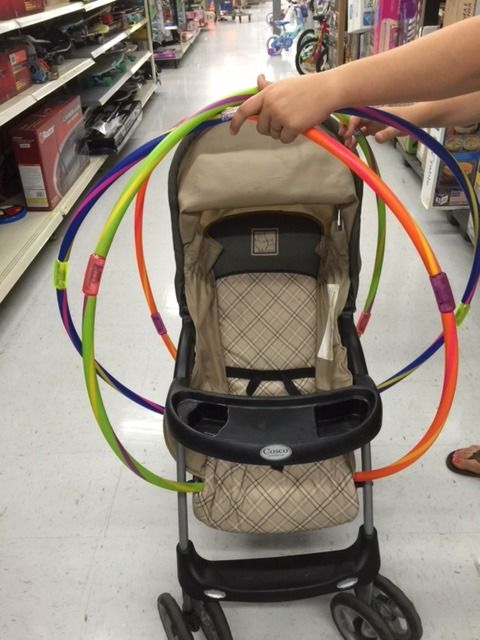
50 151
14 73
16 8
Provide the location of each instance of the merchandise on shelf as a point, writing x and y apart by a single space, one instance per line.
14 72
456 10
408 144
396 22
361 14
16 8
366 44
91 30
50 151
44 53
440 188
107 69
109 128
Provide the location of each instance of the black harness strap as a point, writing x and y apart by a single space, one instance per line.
256 376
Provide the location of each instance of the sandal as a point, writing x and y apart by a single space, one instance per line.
463 472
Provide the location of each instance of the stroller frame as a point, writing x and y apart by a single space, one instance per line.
277 579
377 606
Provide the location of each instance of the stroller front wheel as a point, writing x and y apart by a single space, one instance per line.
396 609
172 618
213 622
356 620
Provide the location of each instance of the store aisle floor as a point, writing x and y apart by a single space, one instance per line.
86 547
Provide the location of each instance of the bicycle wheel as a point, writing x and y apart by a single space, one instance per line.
307 33
273 48
304 59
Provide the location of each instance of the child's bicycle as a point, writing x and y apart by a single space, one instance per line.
284 41
312 49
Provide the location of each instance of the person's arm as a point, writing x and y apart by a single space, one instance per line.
441 65
461 110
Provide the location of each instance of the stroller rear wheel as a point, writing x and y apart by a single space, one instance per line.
356 620
172 618
213 622
396 609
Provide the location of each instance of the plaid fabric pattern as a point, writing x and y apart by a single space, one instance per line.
255 499
268 321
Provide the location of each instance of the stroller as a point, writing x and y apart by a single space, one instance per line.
271 395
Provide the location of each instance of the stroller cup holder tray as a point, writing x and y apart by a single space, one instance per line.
274 430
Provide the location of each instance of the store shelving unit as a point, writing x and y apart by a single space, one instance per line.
95 51
176 51
180 48
409 159
98 96
21 241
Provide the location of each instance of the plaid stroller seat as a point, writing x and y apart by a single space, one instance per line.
266 244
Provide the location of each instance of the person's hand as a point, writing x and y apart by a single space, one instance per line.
286 108
368 128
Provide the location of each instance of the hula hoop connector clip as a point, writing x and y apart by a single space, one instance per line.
461 312
443 292
93 275
362 322
60 274
158 322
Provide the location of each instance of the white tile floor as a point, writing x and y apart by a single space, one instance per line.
86 547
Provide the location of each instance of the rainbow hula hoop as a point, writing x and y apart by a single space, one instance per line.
97 261
61 265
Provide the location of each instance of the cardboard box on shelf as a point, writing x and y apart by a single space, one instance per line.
361 14
16 8
14 72
456 10
440 188
50 151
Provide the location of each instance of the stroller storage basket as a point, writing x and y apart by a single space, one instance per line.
265 430
279 579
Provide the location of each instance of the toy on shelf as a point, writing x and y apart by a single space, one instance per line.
105 70
45 54
92 30
110 127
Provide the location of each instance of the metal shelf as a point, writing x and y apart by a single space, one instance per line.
410 159
7 25
146 92
98 96
21 241
97 4
179 49
97 50
49 14
28 98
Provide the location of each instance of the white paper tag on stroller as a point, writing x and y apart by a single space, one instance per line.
326 347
